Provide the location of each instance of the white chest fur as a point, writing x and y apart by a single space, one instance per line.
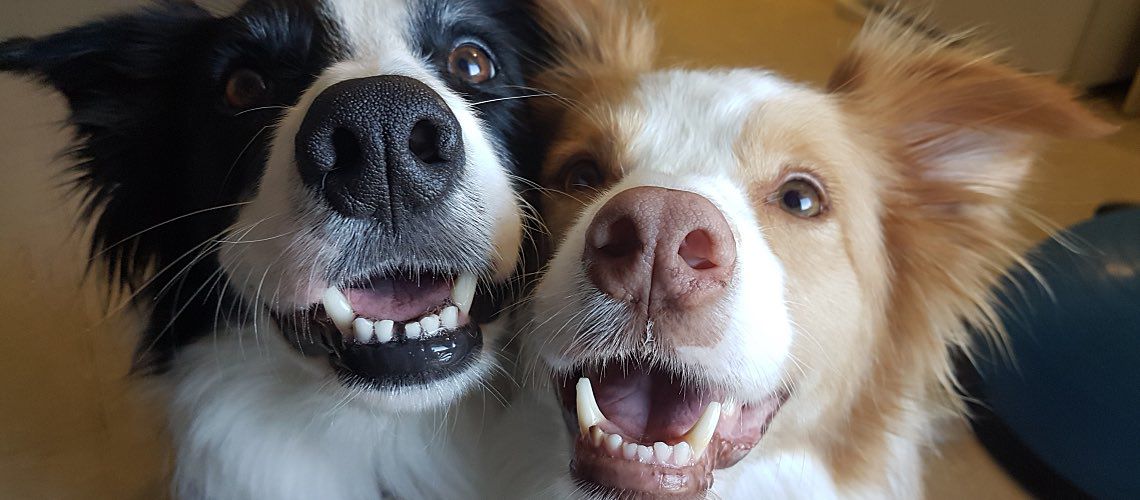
251 420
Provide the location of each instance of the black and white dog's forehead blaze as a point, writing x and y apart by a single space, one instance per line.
164 160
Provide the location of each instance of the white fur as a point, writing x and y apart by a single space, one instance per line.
800 475
259 422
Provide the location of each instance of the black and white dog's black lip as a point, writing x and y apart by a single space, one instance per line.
376 366
434 333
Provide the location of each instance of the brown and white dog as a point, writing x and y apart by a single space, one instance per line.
758 282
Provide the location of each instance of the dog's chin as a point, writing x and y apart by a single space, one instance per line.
643 431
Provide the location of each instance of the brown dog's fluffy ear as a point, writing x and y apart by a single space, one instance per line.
594 37
959 131
950 111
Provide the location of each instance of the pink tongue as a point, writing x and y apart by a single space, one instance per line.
398 299
648 405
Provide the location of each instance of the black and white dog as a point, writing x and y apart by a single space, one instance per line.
314 202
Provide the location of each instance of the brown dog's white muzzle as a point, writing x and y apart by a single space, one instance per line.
666 252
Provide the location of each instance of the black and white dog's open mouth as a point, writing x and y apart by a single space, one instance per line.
395 329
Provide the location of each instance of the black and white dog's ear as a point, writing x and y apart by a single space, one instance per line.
118 76
107 58
127 80
13 54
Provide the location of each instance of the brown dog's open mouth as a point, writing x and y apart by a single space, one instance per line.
643 430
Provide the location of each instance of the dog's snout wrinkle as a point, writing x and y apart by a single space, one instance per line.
664 251
384 148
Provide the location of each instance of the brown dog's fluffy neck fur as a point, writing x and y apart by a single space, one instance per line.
942 137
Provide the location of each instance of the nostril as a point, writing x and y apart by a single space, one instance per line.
620 239
424 142
697 250
347 150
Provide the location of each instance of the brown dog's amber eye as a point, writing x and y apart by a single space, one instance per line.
580 174
471 63
246 89
801 198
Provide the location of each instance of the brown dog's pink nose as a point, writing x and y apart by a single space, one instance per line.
660 248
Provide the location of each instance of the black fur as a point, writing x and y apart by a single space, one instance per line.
162 162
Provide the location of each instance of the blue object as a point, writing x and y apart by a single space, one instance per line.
1069 387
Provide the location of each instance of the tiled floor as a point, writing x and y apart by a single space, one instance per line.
72 427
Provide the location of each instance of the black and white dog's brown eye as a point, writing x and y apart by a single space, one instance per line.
471 63
246 89
801 198
581 173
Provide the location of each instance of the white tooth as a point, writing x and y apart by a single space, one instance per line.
449 318
430 324
338 309
384 330
701 433
629 451
589 414
363 330
463 292
662 452
597 436
613 444
644 454
682 453
413 331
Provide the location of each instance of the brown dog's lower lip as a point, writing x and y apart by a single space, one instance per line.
593 466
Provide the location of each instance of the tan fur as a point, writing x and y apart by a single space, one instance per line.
923 145
595 38
602 46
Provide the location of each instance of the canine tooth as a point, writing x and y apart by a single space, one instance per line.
701 433
463 292
682 453
613 444
413 330
338 309
589 414
597 436
363 330
644 454
384 330
629 451
449 318
430 324
662 452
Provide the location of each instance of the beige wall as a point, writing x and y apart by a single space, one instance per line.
33 17
1084 42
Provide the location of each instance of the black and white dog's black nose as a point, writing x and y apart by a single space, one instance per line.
383 147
